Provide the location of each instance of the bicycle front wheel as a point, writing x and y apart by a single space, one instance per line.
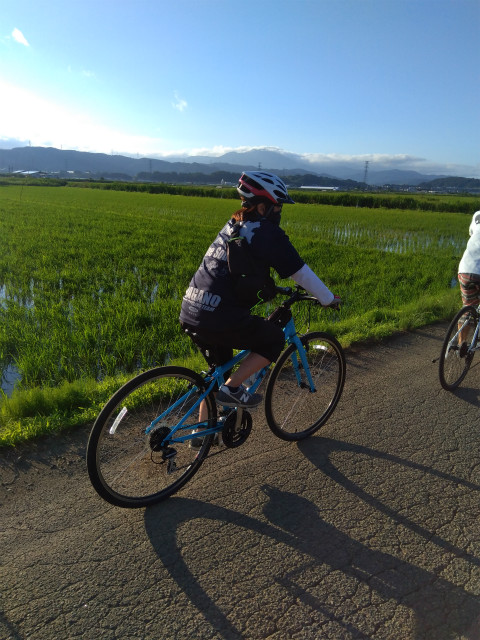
293 408
457 350
126 465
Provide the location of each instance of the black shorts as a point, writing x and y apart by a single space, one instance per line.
255 333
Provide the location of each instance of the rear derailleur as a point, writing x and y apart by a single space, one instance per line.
168 453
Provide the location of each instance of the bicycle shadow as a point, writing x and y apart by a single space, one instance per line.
295 522
467 394
319 451
11 631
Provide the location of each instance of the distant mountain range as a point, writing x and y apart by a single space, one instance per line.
58 161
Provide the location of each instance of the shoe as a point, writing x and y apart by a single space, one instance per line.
463 349
249 381
453 351
196 443
241 398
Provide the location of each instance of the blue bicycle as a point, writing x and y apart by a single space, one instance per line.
140 447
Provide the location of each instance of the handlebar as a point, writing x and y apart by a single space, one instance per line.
284 290
298 293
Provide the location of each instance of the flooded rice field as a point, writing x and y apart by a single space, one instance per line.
339 235
390 241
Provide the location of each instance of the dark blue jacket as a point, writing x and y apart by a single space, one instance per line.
209 301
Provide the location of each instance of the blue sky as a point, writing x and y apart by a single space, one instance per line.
336 79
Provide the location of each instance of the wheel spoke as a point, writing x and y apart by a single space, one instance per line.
457 354
292 409
127 461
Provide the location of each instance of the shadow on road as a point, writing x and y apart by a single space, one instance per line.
319 451
468 394
11 632
441 609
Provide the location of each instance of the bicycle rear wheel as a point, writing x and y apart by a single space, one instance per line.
126 466
292 410
456 355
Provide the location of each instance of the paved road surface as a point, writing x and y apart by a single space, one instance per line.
369 530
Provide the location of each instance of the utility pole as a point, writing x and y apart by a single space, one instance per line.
367 162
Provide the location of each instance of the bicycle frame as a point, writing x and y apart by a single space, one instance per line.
217 377
169 415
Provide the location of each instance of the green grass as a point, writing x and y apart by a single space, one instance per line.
40 411
91 283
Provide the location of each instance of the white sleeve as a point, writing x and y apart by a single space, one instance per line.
307 279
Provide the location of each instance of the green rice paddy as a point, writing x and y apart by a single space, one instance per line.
91 283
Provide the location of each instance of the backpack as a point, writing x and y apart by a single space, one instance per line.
252 282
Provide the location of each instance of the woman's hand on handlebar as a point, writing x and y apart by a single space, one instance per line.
335 304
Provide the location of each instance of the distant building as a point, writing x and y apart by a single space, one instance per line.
320 188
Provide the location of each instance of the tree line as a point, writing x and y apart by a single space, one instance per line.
420 202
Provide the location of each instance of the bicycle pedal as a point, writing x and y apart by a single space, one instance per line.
171 466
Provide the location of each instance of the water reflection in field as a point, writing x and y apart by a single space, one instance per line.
10 376
389 241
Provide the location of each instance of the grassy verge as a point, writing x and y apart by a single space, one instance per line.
40 411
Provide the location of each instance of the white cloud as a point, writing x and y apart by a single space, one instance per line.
378 161
179 103
26 116
18 36
383 161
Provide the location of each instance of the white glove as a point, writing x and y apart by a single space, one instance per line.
337 301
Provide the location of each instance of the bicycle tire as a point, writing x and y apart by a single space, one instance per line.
455 359
123 467
292 411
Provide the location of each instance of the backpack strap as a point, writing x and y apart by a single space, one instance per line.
236 231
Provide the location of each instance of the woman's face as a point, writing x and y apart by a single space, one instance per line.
261 208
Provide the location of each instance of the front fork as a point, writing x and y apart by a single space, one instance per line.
293 338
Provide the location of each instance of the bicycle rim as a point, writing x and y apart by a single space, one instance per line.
122 465
456 357
293 411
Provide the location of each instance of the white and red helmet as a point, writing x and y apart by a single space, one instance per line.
255 186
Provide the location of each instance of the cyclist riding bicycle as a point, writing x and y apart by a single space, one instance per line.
214 310
469 267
